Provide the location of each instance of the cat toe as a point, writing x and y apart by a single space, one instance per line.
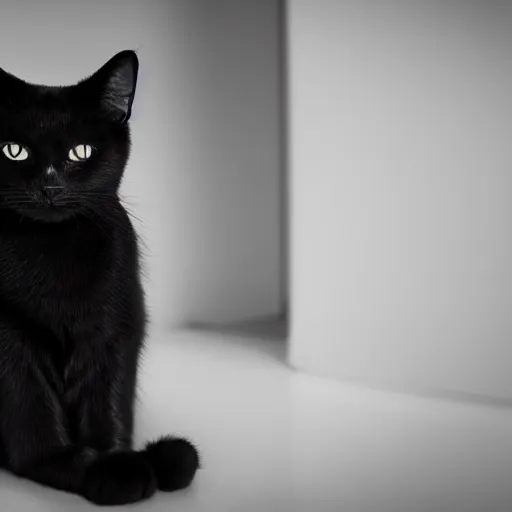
119 478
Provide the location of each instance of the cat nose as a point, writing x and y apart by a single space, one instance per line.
50 193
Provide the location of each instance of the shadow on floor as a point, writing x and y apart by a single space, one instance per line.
267 336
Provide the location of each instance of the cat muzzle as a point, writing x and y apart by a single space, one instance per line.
52 193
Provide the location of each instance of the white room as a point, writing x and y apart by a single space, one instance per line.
320 189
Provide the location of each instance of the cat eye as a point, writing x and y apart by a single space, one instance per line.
15 152
80 153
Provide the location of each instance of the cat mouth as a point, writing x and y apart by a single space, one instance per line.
47 206
42 209
53 206
49 214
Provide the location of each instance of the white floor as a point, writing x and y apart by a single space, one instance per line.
272 440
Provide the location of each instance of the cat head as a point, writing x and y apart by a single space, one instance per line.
64 149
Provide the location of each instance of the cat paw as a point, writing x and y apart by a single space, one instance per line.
119 478
175 462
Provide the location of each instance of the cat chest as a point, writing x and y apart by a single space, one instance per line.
53 269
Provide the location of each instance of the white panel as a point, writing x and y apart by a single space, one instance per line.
401 184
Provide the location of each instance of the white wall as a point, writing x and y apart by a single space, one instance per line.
401 185
203 176
226 151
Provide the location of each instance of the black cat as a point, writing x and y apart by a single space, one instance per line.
72 316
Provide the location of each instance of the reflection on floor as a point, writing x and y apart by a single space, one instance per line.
276 441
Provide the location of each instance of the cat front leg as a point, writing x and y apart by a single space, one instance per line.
100 382
106 422
33 426
35 433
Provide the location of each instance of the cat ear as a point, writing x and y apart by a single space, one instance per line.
4 75
9 81
114 85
